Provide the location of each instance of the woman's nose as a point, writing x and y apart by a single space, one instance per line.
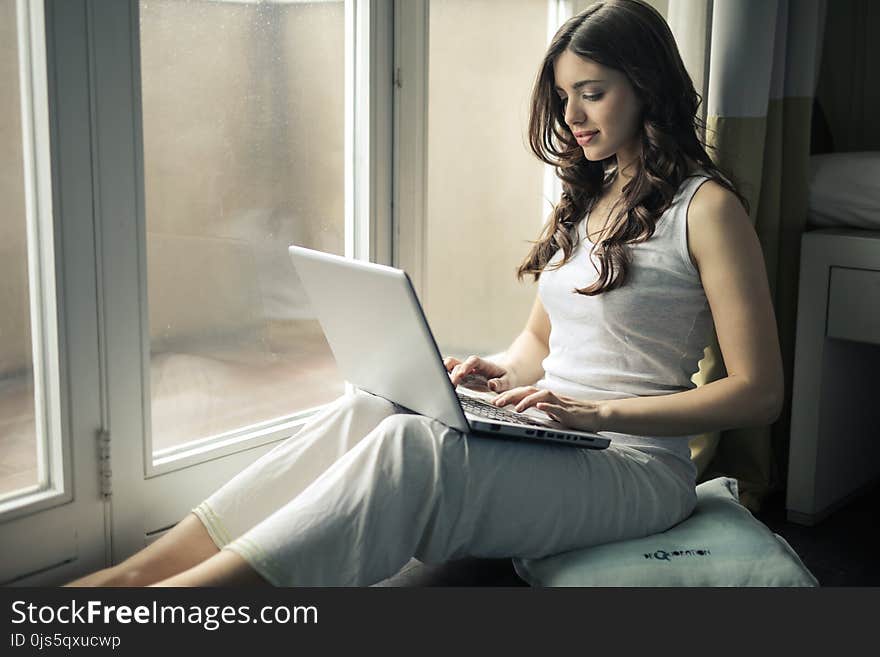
573 115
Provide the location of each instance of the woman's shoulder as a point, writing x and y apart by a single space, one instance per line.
710 195
715 216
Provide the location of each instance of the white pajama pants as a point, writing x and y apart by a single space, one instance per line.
364 486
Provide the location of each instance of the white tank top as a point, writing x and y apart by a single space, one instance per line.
644 338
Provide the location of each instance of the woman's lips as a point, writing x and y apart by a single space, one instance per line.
585 139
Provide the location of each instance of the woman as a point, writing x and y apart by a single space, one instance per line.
363 487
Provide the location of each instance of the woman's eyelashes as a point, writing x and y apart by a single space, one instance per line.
593 97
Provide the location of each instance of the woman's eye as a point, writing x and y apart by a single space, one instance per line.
587 97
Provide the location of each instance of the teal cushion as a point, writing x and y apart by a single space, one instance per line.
720 544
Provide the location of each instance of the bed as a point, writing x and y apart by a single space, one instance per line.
845 191
834 452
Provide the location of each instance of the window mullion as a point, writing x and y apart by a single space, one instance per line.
558 11
369 53
411 138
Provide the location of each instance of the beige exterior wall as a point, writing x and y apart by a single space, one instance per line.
484 185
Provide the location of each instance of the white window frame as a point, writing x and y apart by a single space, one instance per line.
411 39
558 11
368 129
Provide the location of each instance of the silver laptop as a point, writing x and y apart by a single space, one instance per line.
380 337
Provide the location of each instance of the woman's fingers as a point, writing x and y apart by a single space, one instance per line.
459 372
449 362
514 396
499 384
525 397
470 366
478 374
467 369
555 411
540 396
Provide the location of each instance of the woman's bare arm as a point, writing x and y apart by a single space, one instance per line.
524 356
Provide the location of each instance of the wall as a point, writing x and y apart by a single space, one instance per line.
484 185
849 78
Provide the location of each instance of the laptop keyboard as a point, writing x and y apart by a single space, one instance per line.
483 409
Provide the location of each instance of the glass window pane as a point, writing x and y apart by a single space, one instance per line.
18 444
484 185
243 121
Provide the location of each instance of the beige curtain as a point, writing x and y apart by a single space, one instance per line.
756 64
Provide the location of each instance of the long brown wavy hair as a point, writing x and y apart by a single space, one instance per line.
632 37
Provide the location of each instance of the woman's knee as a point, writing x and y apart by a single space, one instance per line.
363 400
416 439
407 427
357 401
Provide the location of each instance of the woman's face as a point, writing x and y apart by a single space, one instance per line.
598 100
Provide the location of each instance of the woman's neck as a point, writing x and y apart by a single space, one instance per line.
621 177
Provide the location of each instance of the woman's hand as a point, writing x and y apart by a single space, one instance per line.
568 411
478 374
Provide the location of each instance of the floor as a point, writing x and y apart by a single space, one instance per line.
842 549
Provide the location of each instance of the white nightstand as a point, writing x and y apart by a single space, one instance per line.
834 451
